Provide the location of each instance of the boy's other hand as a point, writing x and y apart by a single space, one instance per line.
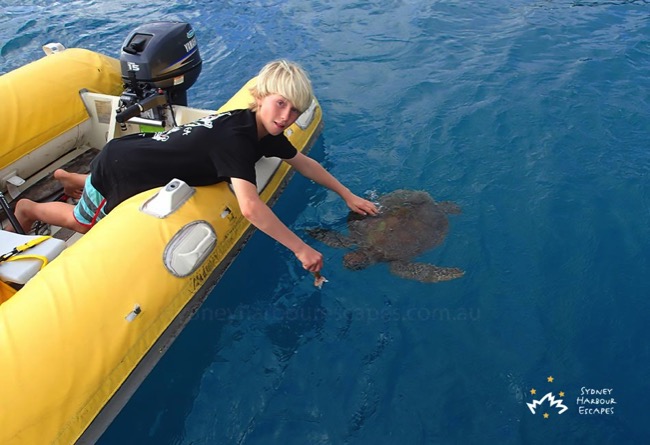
311 259
361 206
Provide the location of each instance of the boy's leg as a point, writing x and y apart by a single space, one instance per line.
55 213
73 183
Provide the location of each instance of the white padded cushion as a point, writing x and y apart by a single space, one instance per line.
21 271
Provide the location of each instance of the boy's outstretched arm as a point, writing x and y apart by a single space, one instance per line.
314 171
261 216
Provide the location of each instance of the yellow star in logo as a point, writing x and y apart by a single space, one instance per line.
561 393
550 379
533 391
546 415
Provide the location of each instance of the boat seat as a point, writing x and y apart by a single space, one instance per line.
20 271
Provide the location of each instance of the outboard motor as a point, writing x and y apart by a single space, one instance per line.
160 61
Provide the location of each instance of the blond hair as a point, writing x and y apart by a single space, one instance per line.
287 79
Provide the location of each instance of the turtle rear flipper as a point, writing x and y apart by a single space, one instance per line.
425 273
330 237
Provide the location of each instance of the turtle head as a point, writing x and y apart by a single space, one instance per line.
356 260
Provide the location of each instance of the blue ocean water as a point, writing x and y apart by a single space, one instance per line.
531 115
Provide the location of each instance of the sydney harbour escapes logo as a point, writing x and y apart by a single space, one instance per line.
551 399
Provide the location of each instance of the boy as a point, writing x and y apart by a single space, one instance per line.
216 148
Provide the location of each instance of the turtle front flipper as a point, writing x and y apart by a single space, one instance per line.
330 237
425 273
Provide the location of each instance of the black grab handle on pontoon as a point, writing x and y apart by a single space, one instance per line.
10 214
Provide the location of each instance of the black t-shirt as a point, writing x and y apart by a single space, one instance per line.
209 150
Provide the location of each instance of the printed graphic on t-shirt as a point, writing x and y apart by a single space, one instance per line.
205 122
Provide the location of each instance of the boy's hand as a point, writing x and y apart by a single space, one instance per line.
361 206
311 259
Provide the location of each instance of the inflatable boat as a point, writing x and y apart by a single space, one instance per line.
84 318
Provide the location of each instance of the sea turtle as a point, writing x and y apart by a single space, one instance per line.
409 223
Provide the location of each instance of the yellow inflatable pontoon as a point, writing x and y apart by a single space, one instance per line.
81 334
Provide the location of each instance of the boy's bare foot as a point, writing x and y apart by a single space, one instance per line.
73 183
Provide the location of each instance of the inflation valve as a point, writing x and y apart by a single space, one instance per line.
134 313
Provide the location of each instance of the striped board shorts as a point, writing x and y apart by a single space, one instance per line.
90 208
